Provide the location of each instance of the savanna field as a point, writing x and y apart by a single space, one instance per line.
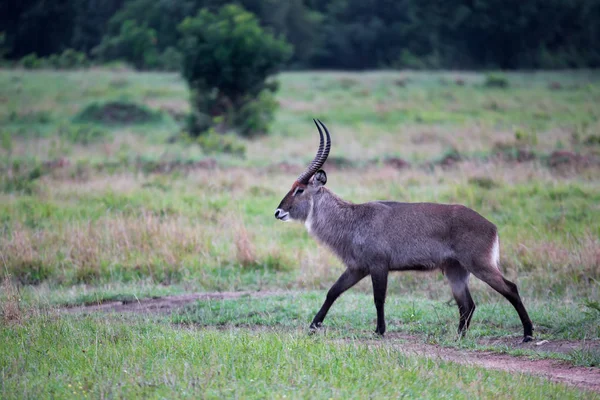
104 199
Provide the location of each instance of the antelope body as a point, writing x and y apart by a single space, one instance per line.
381 236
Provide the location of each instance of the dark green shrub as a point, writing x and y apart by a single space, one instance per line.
408 60
70 59
592 140
227 58
496 81
31 61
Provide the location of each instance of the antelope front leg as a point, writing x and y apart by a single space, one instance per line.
379 278
348 279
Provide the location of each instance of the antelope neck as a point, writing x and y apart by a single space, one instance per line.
327 217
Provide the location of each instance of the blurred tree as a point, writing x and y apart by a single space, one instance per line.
162 16
36 26
290 18
90 22
3 46
227 58
349 34
135 44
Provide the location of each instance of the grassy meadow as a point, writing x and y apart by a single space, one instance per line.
103 197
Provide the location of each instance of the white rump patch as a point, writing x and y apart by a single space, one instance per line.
495 255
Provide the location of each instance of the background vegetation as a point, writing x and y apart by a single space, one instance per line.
347 34
95 189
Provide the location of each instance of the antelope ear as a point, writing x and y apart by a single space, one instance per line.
320 178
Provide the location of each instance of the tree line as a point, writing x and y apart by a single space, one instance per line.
340 34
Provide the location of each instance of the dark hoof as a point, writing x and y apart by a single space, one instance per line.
380 334
314 328
527 339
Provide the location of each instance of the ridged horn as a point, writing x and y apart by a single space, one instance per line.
321 155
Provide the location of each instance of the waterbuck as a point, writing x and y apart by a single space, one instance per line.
381 236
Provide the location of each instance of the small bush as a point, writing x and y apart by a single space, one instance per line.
592 140
409 60
68 59
71 59
117 112
227 58
31 61
496 81
526 138
21 179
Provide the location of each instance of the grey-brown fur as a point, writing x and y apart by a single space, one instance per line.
381 236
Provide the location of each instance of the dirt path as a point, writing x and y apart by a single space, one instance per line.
165 305
557 371
554 370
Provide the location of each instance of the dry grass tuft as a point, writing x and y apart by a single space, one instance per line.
10 307
245 249
580 256
91 249
318 268
550 265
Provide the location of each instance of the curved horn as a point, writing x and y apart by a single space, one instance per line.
325 154
310 171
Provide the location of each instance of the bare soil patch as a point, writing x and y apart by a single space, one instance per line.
164 305
558 371
545 346
117 112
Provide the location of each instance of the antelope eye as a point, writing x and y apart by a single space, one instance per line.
298 191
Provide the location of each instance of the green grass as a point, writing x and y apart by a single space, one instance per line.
93 211
354 313
434 321
70 357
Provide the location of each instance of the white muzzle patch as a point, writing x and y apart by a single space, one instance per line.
282 215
